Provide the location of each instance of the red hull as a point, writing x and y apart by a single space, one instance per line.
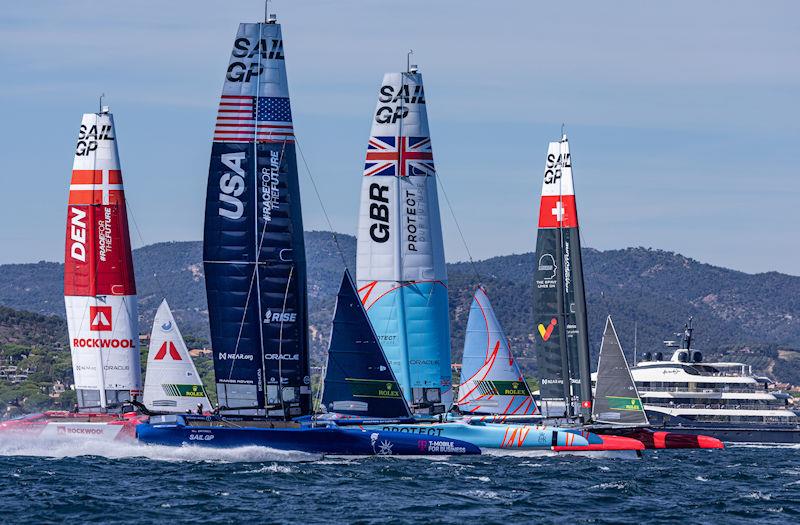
653 439
60 424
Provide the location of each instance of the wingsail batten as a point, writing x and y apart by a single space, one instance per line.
491 381
401 272
560 324
253 250
99 286
359 380
172 383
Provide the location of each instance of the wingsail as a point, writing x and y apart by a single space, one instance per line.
358 378
491 381
560 325
99 286
402 280
172 383
616 399
253 251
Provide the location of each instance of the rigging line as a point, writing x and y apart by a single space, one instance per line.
280 340
458 227
321 204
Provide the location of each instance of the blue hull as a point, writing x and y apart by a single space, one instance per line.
314 440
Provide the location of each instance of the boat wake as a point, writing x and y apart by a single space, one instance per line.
791 446
59 449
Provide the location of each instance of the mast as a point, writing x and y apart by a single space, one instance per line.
402 279
99 286
253 249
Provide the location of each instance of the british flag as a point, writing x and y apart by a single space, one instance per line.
413 157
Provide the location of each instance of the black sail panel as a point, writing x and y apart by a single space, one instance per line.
358 378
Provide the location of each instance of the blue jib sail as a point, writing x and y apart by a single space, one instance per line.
358 379
253 250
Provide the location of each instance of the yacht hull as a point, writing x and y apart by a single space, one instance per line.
328 439
56 425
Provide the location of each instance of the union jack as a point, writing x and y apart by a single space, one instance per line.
383 156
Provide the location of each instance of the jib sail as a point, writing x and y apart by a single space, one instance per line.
99 287
402 280
358 378
491 381
171 382
253 251
616 399
560 328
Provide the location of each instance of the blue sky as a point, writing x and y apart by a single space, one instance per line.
683 117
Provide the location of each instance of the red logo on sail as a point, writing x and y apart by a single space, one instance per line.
162 352
100 318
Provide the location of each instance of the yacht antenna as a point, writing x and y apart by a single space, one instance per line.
635 329
102 96
687 334
408 60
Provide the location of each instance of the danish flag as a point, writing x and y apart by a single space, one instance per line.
100 318
162 352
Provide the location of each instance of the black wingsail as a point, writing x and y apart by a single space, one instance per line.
358 379
253 249
616 399
560 331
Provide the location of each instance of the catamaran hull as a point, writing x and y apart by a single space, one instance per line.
80 427
315 440
519 437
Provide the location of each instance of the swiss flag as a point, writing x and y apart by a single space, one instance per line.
558 211
100 318
162 352
586 404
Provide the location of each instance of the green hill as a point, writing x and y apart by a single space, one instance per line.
754 318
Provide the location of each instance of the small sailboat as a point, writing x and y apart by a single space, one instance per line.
171 383
491 381
255 268
99 295
618 409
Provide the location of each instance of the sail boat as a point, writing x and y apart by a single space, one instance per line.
491 381
562 342
402 279
255 268
561 333
400 265
618 407
172 383
99 295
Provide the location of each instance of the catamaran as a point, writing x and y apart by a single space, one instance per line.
100 297
255 268
562 343
402 278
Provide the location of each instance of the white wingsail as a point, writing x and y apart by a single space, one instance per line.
172 383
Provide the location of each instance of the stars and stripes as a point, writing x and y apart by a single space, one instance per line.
249 119
414 156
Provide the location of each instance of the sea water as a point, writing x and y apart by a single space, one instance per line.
118 483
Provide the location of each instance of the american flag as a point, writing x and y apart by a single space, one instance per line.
383 156
249 119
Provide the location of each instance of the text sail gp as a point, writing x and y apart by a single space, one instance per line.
402 280
99 287
253 250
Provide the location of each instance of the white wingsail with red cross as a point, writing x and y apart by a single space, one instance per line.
171 382
99 287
